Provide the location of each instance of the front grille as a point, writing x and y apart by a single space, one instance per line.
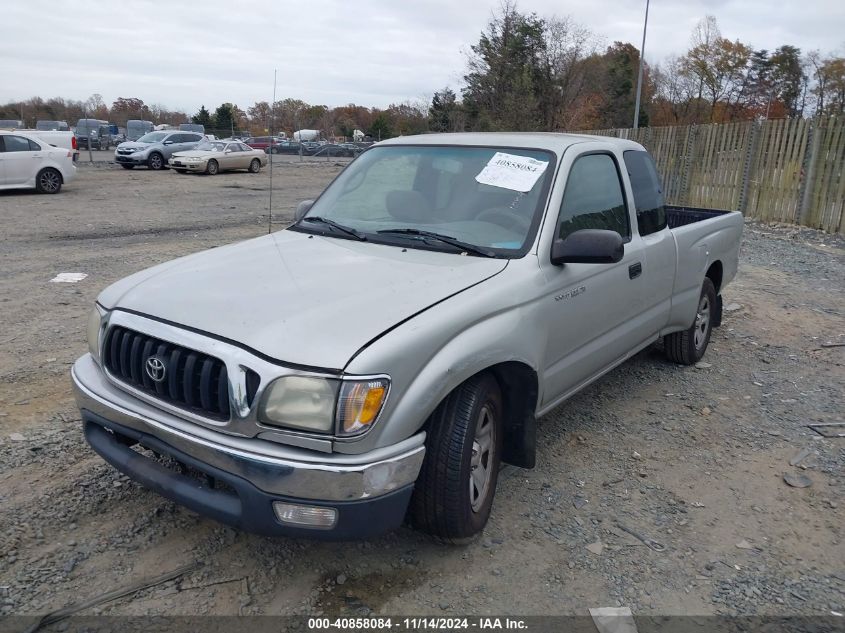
191 380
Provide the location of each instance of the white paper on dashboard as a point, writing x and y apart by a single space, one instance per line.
510 171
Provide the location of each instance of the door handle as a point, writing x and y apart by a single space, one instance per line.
635 270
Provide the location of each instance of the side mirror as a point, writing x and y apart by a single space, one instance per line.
302 208
168 143
588 246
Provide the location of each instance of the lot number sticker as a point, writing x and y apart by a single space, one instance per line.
509 171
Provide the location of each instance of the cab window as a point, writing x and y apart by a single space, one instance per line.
648 194
593 198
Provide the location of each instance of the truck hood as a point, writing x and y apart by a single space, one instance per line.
298 298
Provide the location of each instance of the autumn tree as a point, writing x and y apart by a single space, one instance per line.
261 117
126 108
719 66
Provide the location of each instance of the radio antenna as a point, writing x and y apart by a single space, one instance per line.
272 137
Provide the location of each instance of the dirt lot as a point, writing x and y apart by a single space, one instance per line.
693 458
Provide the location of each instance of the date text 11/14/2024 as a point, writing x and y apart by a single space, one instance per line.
416 623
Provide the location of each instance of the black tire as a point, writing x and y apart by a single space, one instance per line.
212 168
128 166
48 180
254 166
688 347
444 502
155 161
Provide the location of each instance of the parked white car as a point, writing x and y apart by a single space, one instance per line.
29 162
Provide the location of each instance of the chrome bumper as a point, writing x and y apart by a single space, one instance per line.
273 468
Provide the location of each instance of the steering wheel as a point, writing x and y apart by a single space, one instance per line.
506 218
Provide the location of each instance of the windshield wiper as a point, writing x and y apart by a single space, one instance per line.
446 239
343 229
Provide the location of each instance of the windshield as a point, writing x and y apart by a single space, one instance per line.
484 196
212 146
152 137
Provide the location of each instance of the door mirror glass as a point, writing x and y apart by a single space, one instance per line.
302 208
588 246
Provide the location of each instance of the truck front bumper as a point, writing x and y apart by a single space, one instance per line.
248 483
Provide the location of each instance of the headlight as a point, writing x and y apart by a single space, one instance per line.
95 322
323 405
359 404
194 159
300 402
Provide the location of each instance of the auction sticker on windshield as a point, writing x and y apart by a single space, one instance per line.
510 171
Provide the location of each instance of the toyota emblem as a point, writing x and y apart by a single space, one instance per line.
156 368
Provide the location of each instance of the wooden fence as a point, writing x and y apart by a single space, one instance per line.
788 170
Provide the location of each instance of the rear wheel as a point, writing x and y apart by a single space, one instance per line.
212 168
454 493
155 161
48 180
254 166
688 347
127 166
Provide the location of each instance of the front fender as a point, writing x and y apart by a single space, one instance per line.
442 348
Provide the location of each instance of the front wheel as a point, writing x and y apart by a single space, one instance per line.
254 166
212 168
48 181
688 347
156 161
454 493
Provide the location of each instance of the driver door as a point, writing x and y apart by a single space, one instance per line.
591 308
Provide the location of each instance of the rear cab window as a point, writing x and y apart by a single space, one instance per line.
648 193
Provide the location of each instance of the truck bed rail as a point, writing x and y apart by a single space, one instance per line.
680 216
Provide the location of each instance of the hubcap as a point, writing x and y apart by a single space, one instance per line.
49 181
481 471
702 322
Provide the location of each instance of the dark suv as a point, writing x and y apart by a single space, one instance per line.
97 131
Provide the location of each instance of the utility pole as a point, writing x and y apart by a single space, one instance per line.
640 74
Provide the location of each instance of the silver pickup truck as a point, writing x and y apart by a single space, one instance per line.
383 355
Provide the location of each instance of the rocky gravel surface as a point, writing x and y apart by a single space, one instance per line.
660 488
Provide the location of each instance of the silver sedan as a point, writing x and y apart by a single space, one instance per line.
212 157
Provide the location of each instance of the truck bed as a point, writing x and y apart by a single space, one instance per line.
680 216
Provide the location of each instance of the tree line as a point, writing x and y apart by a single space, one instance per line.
528 72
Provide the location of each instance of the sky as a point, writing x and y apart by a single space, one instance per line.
370 52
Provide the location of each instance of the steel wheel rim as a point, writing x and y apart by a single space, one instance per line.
481 461
49 181
702 322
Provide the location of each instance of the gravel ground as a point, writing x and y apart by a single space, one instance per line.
690 459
